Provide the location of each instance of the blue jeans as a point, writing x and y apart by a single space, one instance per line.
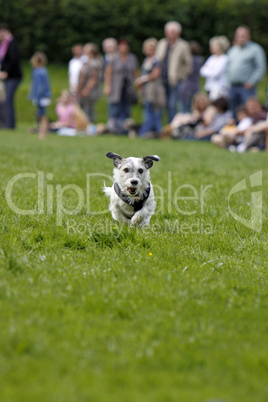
2 115
40 111
114 110
172 96
121 109
116 119
152 119
11 85
238 95
187 104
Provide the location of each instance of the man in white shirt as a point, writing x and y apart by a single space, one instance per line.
74 67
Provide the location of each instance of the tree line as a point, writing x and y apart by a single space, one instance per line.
53 26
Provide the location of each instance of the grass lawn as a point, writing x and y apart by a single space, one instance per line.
94 311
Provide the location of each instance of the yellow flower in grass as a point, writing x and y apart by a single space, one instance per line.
150 253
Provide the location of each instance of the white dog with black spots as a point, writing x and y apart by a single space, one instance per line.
131 195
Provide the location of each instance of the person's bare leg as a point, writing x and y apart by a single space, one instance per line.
43 127
218 139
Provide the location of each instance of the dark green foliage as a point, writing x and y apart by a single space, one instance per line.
55 25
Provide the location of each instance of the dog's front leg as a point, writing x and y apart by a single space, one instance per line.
140 218
136 219
119 217
143 216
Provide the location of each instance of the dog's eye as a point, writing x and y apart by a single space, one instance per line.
140 171
126 170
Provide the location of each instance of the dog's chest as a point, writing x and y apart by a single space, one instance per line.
126 209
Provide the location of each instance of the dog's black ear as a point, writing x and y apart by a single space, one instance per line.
148 160
117 159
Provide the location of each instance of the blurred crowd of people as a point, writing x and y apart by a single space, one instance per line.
225 111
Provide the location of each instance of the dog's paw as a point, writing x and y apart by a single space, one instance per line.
137 219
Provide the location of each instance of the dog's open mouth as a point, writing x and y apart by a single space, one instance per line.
132 190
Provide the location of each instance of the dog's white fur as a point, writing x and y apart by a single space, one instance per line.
133 178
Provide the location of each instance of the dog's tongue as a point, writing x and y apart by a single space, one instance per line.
132 191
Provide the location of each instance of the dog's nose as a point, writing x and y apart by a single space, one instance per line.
134 182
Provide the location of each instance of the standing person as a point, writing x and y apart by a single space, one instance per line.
119 76
245 68
152 90
89 88
214 69
109 46
191 84
176 58
40 92
2 99
10 73
74 67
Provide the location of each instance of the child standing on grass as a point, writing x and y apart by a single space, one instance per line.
40 93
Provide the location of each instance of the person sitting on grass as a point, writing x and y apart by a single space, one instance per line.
71 118
65 110
183 123
222 116
255 135
40 92
232 134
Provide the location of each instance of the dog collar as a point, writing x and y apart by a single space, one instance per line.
137 205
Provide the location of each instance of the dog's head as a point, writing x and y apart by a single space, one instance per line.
132 174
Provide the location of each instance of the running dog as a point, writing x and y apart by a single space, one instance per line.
131 196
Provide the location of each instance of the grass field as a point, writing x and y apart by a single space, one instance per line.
95 311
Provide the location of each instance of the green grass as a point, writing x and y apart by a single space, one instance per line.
94 311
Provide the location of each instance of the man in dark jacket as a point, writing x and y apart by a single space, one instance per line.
10 73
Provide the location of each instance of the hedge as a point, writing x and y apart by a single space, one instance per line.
55 25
